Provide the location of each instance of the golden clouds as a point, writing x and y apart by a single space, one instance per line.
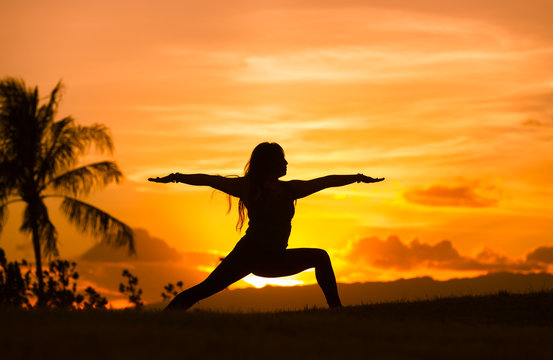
466 194
392 253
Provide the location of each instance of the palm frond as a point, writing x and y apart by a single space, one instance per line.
20 128
12 175
48 237
8 177
58 149
66 142
3 214
82 180
96 134
47 112
5 200
37 215
90 219
13 101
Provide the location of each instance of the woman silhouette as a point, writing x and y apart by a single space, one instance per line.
270 207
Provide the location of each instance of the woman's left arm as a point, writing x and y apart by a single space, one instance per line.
303 188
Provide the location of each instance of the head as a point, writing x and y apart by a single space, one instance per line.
266 162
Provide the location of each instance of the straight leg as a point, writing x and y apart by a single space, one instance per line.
233 268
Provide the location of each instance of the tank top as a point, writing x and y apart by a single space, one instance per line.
270 217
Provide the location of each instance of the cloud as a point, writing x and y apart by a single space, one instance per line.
148 249
465 194
358 64
531 122
543 254
392 253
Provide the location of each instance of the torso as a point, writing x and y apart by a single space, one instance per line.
270 214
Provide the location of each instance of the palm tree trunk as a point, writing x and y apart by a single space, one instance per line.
38 259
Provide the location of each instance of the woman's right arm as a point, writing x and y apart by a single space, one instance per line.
231 186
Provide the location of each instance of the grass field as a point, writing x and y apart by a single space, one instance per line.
500 326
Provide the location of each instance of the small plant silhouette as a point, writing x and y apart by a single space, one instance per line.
94 300
131 290
170 290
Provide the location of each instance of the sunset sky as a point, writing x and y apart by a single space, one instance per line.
451 101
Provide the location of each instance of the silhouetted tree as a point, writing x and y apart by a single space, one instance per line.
59 293
14 286
38 159
170 290
131 289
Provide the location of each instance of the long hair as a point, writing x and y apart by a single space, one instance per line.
258 169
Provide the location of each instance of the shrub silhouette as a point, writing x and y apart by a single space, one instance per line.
93 300
170 290
59 292
131 290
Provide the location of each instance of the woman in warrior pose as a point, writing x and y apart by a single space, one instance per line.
270 207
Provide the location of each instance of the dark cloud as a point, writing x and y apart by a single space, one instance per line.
538 123
531 122
543 254
148 248
464 194
393 253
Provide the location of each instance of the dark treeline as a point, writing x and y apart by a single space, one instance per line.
19 287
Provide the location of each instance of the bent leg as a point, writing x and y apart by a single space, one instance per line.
293 261
230 270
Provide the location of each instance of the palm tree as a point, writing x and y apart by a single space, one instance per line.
39 159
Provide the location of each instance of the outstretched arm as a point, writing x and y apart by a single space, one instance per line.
231 186
303 188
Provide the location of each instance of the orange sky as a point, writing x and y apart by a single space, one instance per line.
452 102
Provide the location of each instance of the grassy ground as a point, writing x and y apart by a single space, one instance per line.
501 326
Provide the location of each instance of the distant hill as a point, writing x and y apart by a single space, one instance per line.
299 297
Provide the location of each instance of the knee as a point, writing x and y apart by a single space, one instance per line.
322 257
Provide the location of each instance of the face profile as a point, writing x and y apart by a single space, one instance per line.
283 167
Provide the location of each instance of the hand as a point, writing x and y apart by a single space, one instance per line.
166 179
368 179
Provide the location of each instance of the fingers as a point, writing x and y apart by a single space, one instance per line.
164 179
369 179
